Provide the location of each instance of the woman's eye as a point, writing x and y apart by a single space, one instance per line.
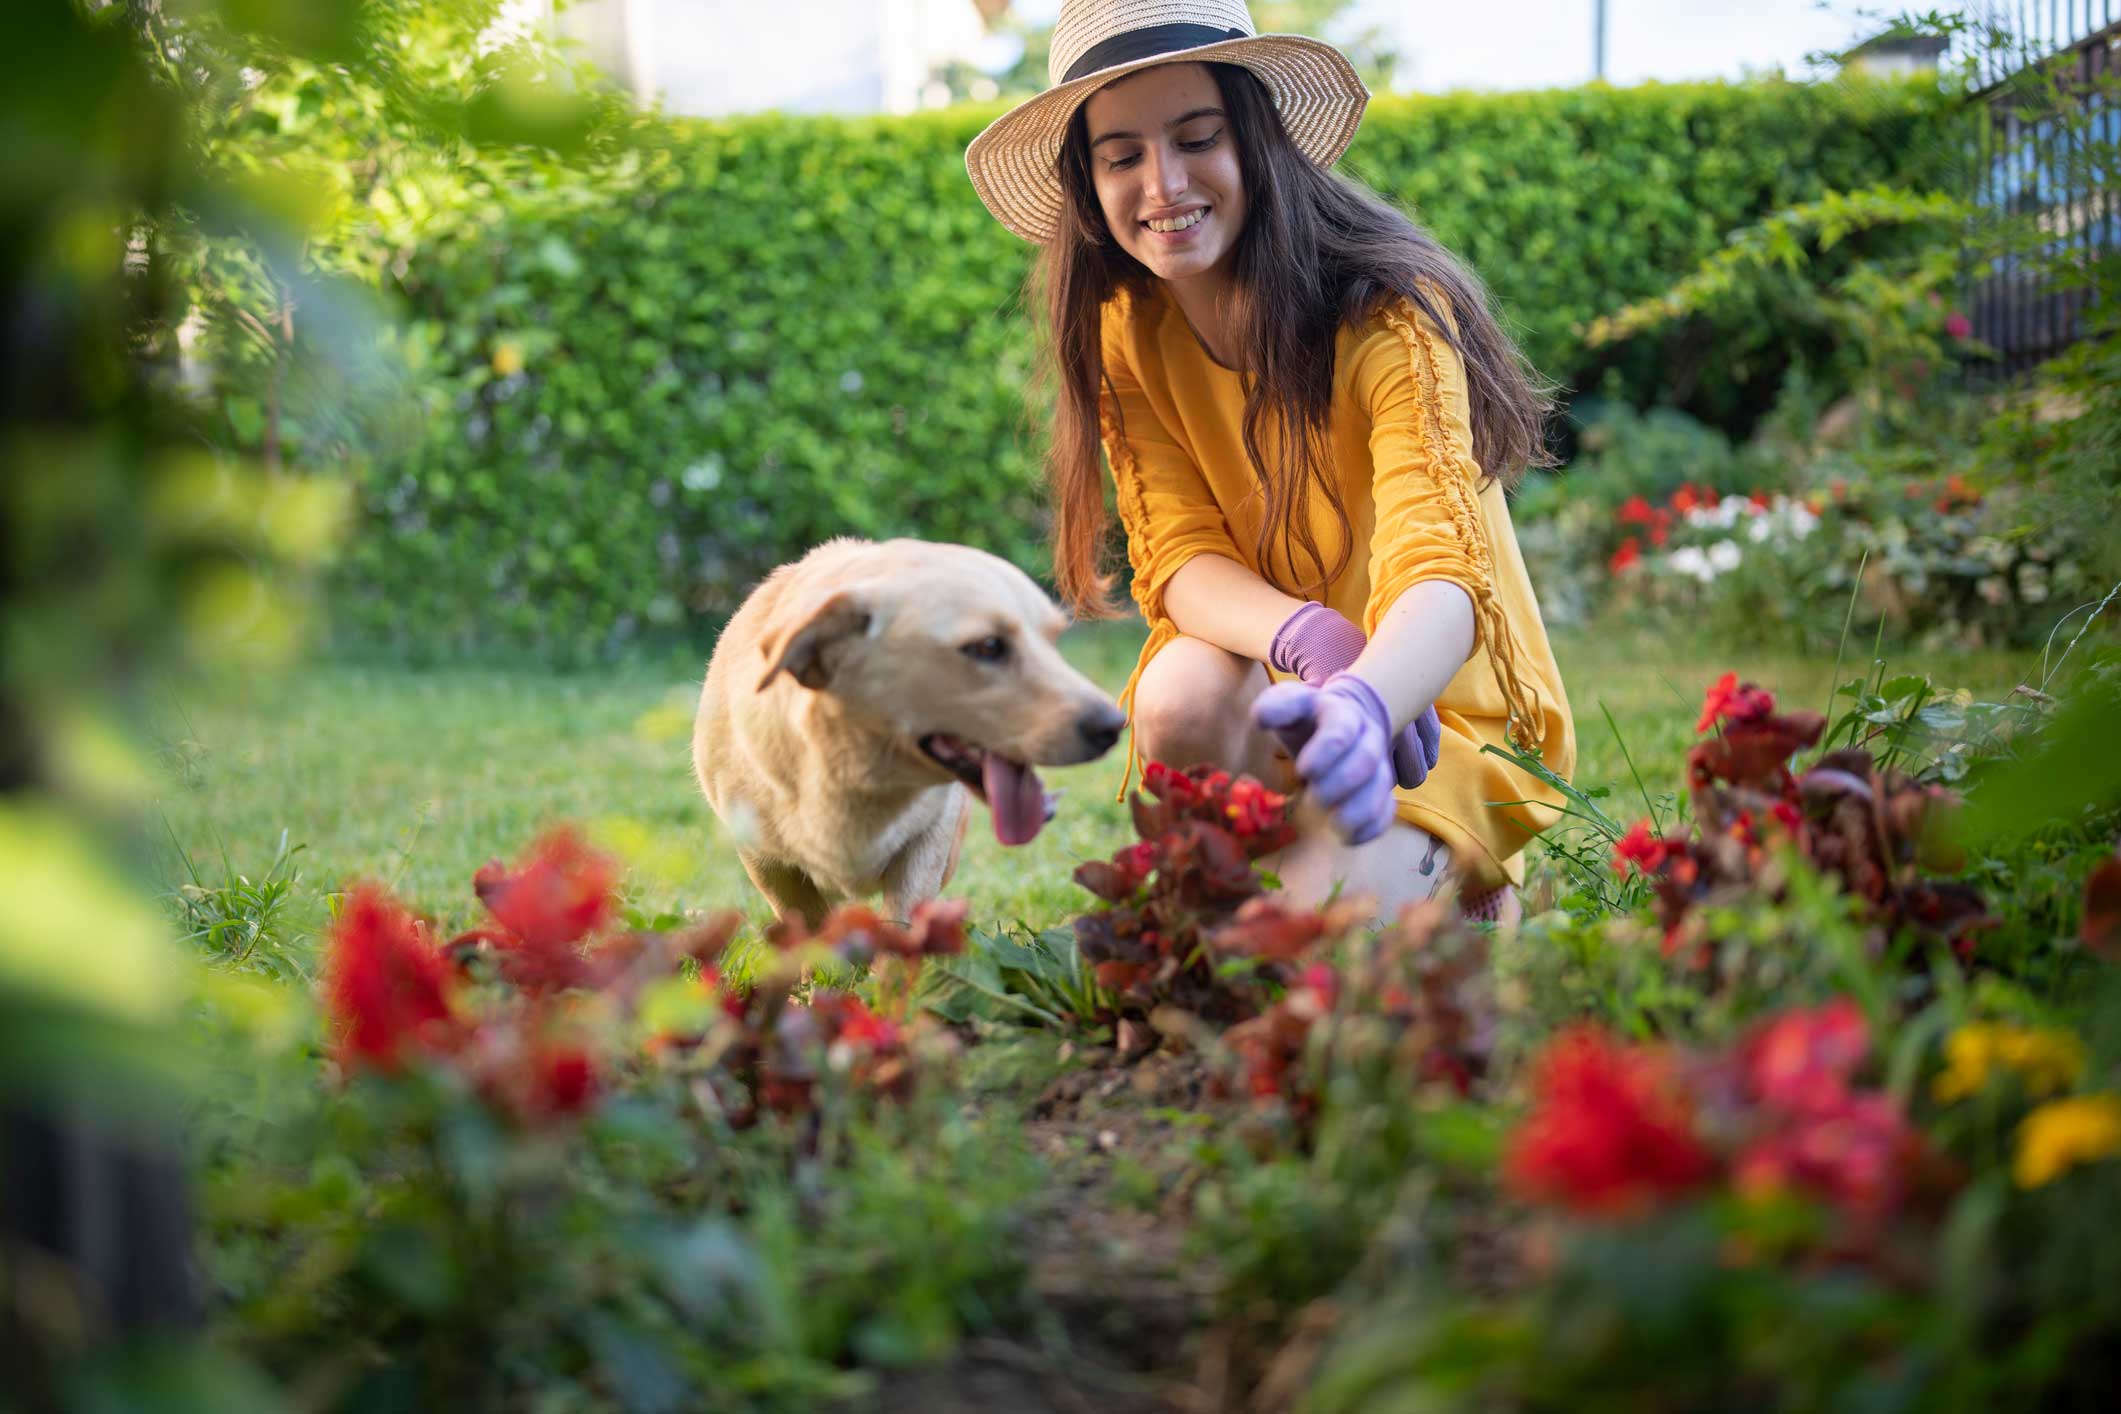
991 649
1121 164
1202 144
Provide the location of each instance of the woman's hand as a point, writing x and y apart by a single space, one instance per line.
1341 739
1316 643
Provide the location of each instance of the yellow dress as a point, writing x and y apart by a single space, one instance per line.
1401 443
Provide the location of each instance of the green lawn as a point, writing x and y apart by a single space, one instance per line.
417 777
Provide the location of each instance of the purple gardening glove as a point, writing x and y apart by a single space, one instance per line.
1340 738
1315 643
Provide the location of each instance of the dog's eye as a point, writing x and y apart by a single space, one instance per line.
991 649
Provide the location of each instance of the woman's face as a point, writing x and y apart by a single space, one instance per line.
1164 159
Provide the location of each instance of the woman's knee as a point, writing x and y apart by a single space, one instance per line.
1191 704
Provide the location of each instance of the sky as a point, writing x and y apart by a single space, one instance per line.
1502 44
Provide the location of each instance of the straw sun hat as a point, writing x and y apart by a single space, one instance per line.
1012 163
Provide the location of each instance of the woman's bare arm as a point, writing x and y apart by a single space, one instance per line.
1420 644
1221 602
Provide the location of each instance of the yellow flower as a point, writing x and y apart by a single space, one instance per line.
1968 1054
2045 1060
507 358
2064 1133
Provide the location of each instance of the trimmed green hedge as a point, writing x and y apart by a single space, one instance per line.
647 384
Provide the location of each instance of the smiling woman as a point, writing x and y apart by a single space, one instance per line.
1312 419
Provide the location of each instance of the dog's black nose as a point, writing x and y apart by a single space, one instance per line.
1100 726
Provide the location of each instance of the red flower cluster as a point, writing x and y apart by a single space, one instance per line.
558 894
769 1052
1655 521
1877 832
1691 497
388 987
516 1032
1611 1129
391 993
1740 704
1419 991
1648 853
1269 1046
1617 1128
1191 870
1958 494
2099 927
1813 1131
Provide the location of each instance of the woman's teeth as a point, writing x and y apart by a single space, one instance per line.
1178 223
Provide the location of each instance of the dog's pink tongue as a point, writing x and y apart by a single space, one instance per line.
1014 797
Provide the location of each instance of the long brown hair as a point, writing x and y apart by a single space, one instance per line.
1317 254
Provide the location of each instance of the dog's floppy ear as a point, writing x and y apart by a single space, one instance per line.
799 646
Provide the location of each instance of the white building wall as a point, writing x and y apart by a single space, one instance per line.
713 57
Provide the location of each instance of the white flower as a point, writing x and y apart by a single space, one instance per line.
1689 560
1724 556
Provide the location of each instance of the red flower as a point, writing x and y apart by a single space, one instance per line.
1252 808
1859 1153
937 928
2099 929
853 1024
1626 557
1635 511
1958 326
564 1081
1729 700
388 984
1610 1129
1323 985
1801 1061
1116 880
1660 528
1166 783
1647 852
558 894
1760 502
1685 498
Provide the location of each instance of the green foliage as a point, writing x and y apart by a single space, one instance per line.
645 380
649 384
1883 316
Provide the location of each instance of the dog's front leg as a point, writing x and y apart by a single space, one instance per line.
920 870
788 889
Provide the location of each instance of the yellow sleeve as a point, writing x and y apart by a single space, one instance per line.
1425 486
1165 506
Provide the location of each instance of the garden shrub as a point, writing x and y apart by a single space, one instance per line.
644 381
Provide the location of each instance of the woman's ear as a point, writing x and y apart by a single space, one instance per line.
806 644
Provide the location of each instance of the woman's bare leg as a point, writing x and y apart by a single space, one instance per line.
1406 864
1194 704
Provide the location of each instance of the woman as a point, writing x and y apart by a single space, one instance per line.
1312 419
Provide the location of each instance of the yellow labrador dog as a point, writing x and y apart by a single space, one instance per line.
863 695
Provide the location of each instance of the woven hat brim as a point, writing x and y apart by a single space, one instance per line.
1013 162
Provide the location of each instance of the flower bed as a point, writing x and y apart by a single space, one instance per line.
1796 1091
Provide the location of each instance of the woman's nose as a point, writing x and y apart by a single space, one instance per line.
1164 176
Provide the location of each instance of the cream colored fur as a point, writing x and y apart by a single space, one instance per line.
821 688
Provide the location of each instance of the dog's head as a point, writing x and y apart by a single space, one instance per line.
952 654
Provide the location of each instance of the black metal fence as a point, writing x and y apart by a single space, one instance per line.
2035 158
